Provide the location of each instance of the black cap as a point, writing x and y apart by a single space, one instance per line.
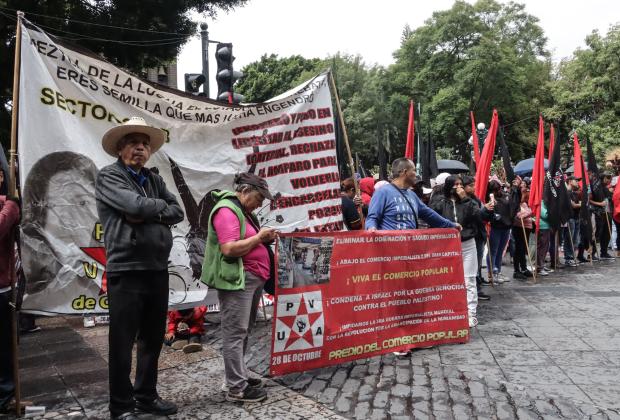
255 181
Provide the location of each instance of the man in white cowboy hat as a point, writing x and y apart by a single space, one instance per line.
136 211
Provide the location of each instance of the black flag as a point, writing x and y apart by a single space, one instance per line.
360 167
585 220
341 151
596 187
429 161
555 194
510 173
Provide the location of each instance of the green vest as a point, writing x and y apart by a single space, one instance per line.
218 271
544 217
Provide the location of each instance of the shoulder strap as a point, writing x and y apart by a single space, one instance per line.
415 215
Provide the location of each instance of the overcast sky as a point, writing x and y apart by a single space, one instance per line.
320 28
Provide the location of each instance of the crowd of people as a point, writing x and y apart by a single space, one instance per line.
503 224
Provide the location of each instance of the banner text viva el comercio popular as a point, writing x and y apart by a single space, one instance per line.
69 98
348 295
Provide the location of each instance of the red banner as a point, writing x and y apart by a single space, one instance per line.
342 296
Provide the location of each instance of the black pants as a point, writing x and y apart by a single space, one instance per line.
138 306
480 243
7 386
603 233
519 258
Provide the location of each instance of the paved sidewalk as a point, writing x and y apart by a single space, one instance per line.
547 350
64 367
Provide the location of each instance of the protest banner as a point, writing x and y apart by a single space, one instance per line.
70 97
349 295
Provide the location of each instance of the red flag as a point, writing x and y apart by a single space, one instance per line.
474 135
577 159
616 200
551 142
483 168
538 174
409 149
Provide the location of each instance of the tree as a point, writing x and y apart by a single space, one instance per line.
586 92
472 57
132 34
271 76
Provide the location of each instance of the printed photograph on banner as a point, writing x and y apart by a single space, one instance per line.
304 261
343 296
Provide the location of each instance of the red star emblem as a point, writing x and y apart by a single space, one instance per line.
291 323
98 254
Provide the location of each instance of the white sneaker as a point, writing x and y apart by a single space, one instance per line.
498 278
402 353
473 321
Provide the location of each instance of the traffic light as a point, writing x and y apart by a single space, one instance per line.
193 81
226 76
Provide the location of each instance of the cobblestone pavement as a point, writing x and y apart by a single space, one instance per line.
541 351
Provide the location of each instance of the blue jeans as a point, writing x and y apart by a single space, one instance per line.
498 240
569 251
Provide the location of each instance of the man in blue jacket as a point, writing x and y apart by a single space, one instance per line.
397 207
136 211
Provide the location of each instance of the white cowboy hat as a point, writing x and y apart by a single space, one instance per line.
133 125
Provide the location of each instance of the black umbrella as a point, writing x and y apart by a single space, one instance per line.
571 169
526 166
451 166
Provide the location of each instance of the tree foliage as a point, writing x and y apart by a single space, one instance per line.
166 27
271 76
473 57
586 92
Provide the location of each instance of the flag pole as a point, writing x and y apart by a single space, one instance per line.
332 84
13 191
527 246
572 244
608 229
15 105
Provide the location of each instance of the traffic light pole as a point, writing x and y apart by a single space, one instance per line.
204 36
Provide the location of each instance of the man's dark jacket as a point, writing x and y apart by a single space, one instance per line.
135 246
